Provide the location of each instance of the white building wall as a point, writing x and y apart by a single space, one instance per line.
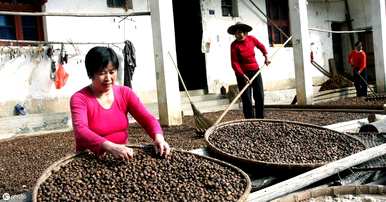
280 74
320 16
137 29
360 11
216 45
25 79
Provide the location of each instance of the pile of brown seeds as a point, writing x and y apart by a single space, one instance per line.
357 101
180 177
283 142
335 83
22 160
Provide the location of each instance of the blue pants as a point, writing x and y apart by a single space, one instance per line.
258 95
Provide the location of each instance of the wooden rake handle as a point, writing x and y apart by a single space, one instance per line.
367 84
180 77
248 84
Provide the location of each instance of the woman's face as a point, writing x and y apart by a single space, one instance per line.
358 47
104 80
239 35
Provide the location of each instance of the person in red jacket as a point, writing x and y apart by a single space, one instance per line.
357 59
245 66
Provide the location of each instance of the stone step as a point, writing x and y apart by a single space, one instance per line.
335 94
206 103
199 98
34 124
193 92
216 108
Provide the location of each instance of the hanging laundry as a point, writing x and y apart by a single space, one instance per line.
65 58
129 62
61 77
53 70
50 53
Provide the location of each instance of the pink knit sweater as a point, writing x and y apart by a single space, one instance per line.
94 124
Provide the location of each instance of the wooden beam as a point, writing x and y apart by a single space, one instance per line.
315 175
16 42
85 14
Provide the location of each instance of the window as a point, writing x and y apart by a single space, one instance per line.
29 24
126 4
278 13
15 27
229 8
7 28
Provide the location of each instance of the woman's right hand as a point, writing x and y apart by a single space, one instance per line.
118 151
246 78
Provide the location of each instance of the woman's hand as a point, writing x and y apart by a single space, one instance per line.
161 146
267 61
246 78
118 151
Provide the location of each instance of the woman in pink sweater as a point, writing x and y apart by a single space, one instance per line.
99 110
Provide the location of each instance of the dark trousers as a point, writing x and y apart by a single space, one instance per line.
360 83
258 95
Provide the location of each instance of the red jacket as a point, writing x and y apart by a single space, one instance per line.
357 59
243 54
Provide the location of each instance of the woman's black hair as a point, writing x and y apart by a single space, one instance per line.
98 58
358 43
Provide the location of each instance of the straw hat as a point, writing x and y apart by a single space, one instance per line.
239 26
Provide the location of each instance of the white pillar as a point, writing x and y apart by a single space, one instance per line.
168 93
378 14
301 49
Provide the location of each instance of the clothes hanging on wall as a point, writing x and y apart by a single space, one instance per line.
53 70
61 75
50 53
129 62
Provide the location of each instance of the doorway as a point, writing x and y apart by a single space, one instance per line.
367 42
188 35
341 46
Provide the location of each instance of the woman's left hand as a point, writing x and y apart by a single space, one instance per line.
161 146
267 61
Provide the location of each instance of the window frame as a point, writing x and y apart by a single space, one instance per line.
233 7
281 21
125 4
19 7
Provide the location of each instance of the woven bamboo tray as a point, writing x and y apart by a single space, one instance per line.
264 164
65 160
338 193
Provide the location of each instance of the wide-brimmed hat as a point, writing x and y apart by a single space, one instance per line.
239 26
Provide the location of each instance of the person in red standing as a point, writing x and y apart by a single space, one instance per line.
245 66
357 59
99 110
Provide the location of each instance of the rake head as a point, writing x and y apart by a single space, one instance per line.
202 123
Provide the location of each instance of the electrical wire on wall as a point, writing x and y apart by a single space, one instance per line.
339 32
